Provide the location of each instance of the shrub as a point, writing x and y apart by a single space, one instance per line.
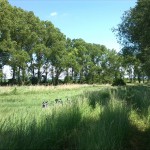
34 80
118 82
68 79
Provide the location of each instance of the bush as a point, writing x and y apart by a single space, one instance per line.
118 82
68 79
34 80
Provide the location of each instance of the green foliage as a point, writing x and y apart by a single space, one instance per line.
34 80
118 82
37 48
68 79
133 33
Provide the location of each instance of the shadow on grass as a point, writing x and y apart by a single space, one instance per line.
101 97
114 125
51 133
136 96
137 139
67 130
107 132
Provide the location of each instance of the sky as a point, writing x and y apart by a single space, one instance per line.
91 20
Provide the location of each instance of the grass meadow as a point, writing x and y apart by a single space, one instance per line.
91 117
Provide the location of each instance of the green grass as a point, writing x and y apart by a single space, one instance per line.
95 117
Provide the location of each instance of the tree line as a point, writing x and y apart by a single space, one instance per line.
134 35
39 53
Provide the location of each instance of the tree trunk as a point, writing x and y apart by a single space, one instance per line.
52 73
46 73
139 78
67 76
23 76
14 75
32 68
18 74
39 76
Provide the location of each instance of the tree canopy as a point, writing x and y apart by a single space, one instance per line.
39 53
134 34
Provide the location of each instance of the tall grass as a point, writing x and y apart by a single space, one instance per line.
108 131
138 98
44 130
94 118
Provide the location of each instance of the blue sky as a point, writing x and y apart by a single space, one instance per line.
91 20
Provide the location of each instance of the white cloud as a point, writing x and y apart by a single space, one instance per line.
53 14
